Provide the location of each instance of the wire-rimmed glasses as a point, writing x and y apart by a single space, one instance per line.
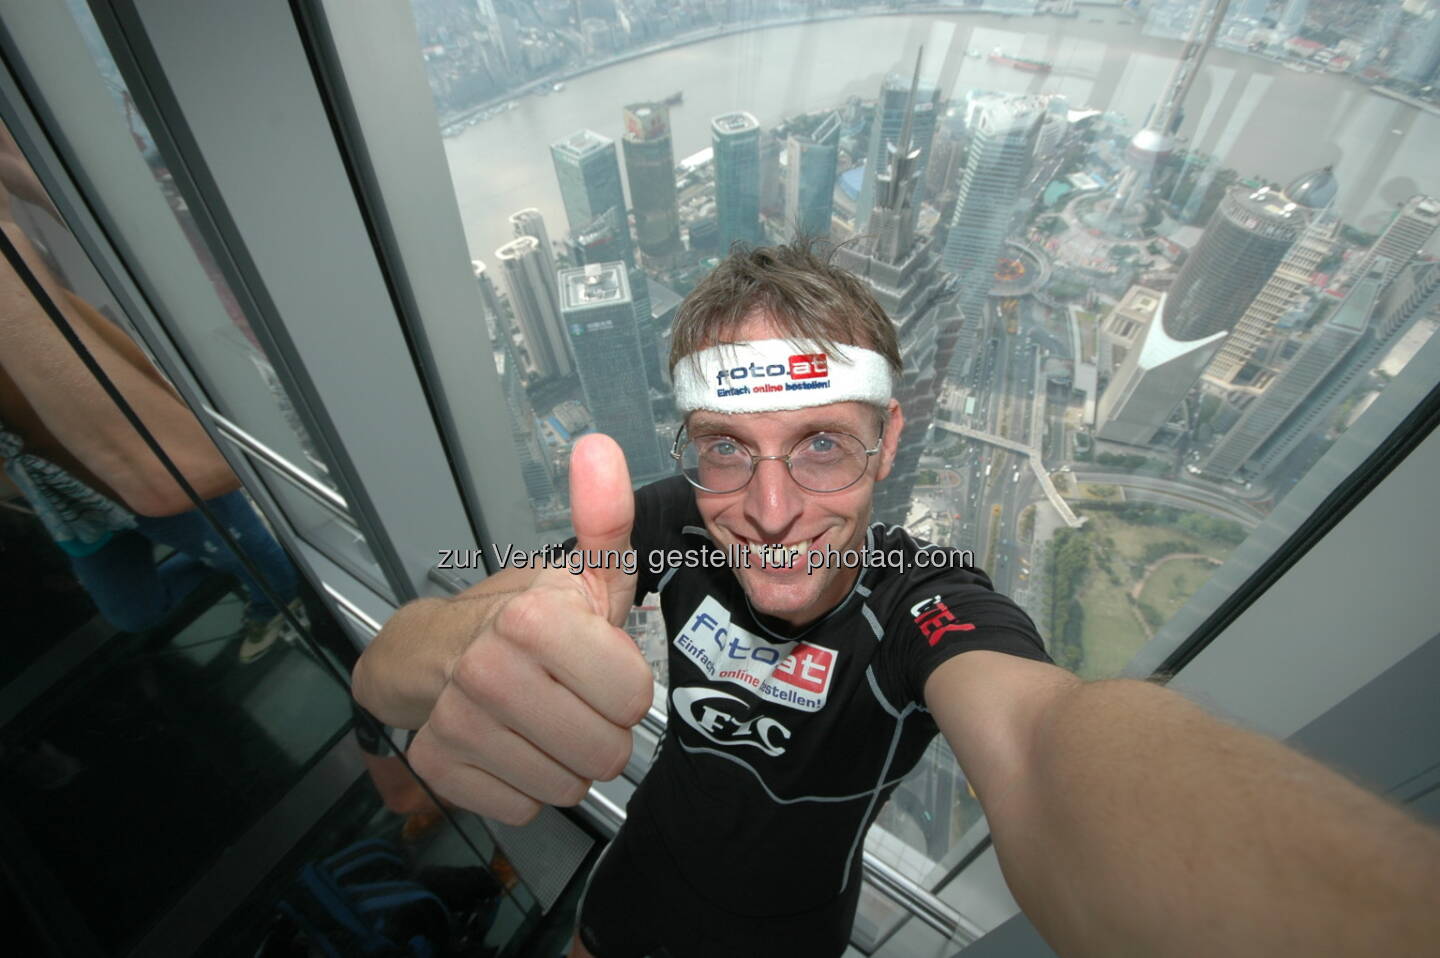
820 462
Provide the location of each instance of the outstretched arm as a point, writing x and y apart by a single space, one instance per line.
1129 821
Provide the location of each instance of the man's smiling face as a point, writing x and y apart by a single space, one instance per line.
772 509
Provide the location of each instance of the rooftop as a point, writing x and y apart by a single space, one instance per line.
1315 189
518 247
582 143
1160 347
732 123
598 284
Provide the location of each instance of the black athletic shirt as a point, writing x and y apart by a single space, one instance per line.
780 749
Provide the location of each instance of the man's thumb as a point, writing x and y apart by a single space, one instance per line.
602 507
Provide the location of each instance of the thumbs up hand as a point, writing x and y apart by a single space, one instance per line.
602 510
541 702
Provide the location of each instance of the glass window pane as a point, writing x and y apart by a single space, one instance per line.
217 339
1145 265
171 705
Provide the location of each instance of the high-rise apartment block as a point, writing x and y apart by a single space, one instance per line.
1414 223
489 300
1413 293
529 447
1323 348
650 170
599 314
736 141
1002 148
530 277
1284 291
588 169
529 222
810 160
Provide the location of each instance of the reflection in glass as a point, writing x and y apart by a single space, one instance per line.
173 709
215 334
1145 267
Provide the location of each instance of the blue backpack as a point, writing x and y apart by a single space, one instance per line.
360 901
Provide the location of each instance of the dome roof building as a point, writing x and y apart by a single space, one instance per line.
1315 189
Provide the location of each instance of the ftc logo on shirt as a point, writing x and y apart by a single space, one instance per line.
935 620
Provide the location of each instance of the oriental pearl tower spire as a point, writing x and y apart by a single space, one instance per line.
1157 138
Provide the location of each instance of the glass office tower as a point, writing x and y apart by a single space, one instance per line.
599 313
650 171
735 139
588 168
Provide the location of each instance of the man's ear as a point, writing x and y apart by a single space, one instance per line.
894 425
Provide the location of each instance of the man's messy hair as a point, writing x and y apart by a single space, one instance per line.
799 288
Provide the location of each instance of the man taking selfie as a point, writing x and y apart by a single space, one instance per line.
812 667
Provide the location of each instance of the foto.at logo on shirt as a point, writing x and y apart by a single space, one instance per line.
793 674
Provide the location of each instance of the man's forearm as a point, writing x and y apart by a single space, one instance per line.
1147 827
74 408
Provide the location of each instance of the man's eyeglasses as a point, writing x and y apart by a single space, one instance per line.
820 462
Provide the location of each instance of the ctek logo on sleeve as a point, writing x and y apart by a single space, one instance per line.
935 619
794 674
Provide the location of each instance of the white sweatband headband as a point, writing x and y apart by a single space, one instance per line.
770 375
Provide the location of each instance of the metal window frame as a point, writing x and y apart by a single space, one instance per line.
80 199
214 79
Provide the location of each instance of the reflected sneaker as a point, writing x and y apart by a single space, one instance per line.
258 636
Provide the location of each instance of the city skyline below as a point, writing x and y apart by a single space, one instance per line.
1139 285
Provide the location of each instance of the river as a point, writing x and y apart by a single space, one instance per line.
1257 115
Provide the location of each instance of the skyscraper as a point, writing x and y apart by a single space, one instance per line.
588 169
736 141
530 277
1293 18
1287 287
534 461
1245 240
1323 348
1151 382
890 116
501 27
599 314
529 222
1415 292
902 271
489 299
1388 14
810 187
650 170
1002 147
600 244
600 241
1423 59
1407 233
